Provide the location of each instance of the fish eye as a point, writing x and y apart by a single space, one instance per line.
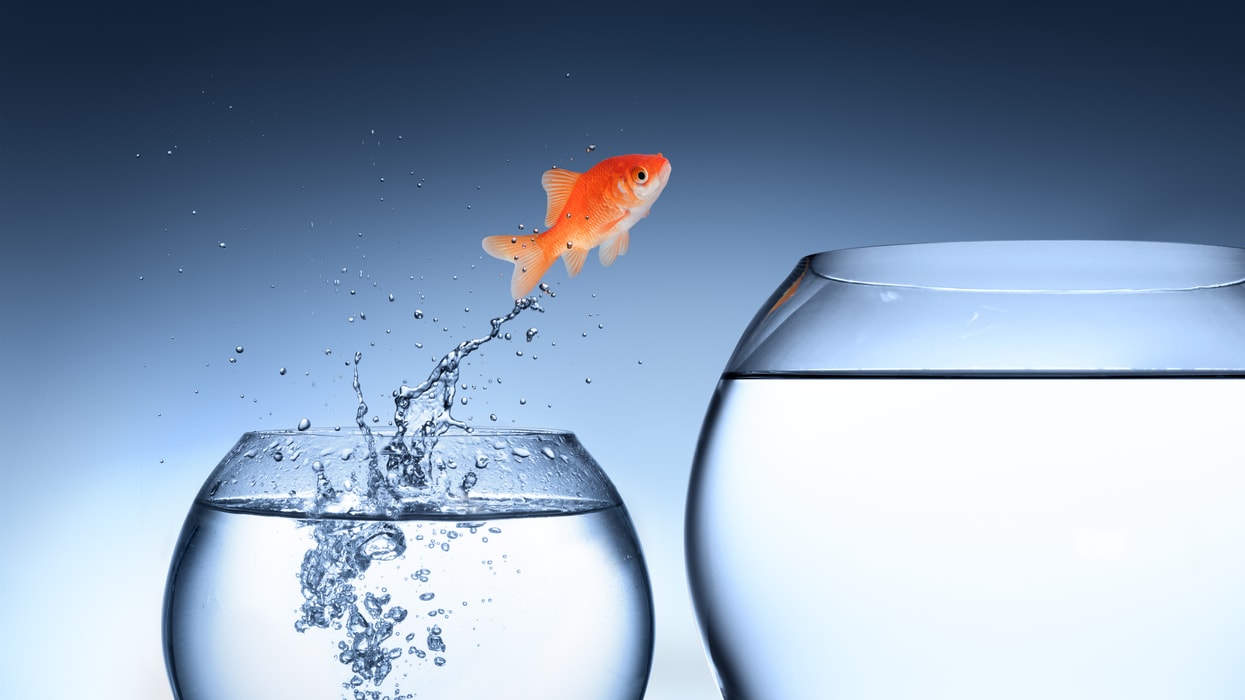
640 175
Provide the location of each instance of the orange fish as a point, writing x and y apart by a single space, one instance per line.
596 208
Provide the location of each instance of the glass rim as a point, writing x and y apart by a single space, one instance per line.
473 432
1037 266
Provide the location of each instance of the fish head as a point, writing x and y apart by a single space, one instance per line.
642 178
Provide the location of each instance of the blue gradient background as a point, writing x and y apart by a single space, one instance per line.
343 154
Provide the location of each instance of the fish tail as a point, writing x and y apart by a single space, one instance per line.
530 259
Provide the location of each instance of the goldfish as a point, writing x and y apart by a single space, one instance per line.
585 210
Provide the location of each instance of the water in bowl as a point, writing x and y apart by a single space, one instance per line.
971 538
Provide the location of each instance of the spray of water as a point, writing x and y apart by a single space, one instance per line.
344 549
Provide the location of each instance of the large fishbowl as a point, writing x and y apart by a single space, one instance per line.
475 564
979 471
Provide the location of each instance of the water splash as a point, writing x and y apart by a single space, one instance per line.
344 549
428 404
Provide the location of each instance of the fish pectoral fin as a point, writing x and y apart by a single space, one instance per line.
574 259
614 246
558 185
530 261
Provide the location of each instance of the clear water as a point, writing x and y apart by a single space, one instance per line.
972 538
424 566
526 607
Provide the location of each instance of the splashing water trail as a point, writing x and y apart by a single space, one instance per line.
344 550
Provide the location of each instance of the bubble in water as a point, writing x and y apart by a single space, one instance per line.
435 642
239 349
587 380
304 424
233 360
419 313
390 297
222 244
531 333
281 371
591 147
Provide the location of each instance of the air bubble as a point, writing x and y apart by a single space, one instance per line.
281 371
531 333
591 147
419 313
304 424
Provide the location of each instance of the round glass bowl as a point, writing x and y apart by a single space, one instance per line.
980 470
475 565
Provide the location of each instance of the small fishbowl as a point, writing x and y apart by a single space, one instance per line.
980 470
480 564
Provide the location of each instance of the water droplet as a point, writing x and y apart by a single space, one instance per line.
390 297
522 402
591 147
222 244
492 416
233 360
419 313
587 380
239 349
426 596
328 351
281 371
531 333
277 456
304 424
569 244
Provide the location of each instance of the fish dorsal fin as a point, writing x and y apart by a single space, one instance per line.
558 185
613 247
